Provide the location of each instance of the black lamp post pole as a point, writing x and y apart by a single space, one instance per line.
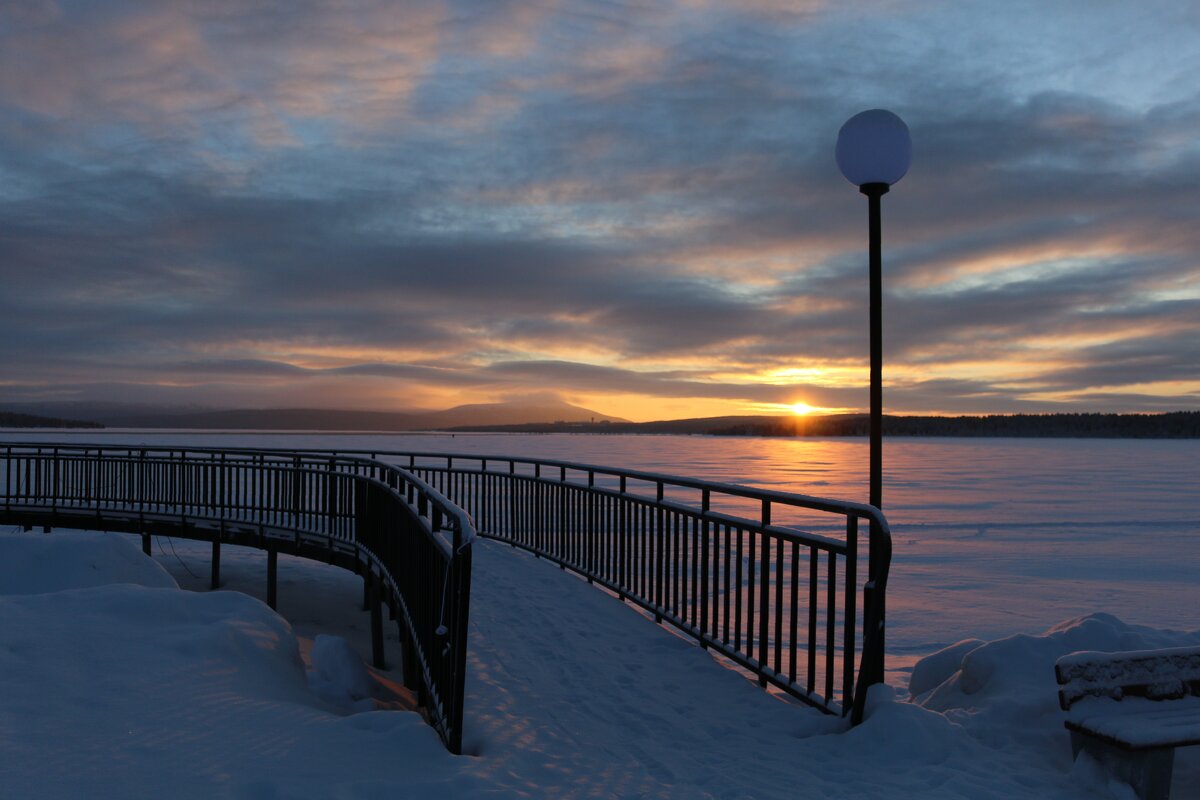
874 191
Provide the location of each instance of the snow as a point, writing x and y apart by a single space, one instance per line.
338 676
38 564
137 690
1157 673
123 684
1141 722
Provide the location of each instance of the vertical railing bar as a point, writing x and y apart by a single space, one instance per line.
779 608
812 619
794 610
764 606
727 592
751 598
830 626
850 621
738 587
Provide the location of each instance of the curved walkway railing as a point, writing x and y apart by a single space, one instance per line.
767 579
411 545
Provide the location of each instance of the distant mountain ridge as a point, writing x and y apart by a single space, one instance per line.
312 419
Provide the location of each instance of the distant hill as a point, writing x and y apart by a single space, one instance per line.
11 420
311 419
1170 425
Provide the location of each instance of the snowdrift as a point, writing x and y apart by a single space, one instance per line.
121 684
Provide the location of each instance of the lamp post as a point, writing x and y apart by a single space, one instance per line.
873 152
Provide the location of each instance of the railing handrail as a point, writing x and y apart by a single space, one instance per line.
363 455
287 461
844 507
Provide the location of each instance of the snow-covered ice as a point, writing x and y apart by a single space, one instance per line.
123 685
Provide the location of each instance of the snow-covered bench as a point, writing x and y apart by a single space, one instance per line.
1131 710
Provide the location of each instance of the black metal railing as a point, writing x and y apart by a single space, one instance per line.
769 580
412 546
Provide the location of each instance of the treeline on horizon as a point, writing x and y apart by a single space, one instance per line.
1169 425
9 419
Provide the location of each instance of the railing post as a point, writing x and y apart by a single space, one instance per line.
512 502
55 480
141 493
764 593
872 668
659 543
591 525
409 664
330 499
376 620
705 500
216 562
878 600
272 570
460 566
296 495
850 613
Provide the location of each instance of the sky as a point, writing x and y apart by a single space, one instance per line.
630 206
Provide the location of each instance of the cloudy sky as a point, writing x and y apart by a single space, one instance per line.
632 206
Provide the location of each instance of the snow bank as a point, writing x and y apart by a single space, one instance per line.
1014 676
158 692
338 676
149 691
1005 694
35 563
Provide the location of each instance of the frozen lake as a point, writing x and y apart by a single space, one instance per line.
992 536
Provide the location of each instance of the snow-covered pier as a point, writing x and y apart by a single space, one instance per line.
768 581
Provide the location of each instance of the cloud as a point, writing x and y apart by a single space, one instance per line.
461 201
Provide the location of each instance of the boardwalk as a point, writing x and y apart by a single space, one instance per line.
739 569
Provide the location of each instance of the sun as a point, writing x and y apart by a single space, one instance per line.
800 409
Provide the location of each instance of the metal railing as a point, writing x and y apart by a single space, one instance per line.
412 546
769 580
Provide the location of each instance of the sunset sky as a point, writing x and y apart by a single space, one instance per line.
631 206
